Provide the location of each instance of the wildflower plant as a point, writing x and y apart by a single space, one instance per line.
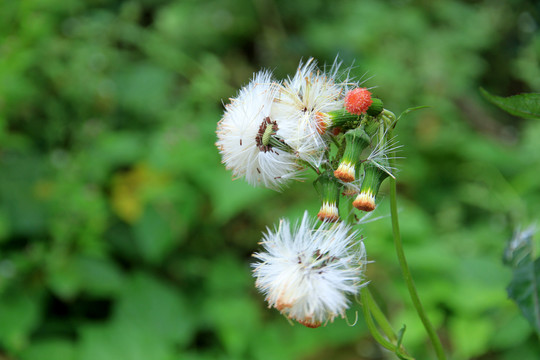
322 121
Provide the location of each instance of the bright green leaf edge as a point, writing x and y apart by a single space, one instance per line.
522 105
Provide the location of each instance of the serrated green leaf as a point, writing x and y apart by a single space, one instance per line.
522 105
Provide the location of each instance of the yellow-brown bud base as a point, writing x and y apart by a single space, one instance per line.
328 212
365 201
345 172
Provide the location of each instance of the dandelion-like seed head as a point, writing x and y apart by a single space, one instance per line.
244 136
307 273
302 107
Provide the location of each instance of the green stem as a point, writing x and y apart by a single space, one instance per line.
407 274
380 318
373 328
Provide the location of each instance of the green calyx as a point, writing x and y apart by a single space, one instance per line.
376 107
344 119
328 188
371 125
277 143
373 178
357 140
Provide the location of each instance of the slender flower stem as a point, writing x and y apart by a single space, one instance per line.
380 318
407 274
366 307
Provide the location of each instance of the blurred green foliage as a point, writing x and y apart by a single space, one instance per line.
123 237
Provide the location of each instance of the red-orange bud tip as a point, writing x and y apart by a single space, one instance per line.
358 100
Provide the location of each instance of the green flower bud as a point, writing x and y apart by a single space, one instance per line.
357 141
328 189
373 178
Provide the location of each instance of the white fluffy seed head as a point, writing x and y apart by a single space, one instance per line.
307 273
302 105
237 133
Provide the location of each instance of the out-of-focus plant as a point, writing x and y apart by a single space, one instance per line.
524 288
522 105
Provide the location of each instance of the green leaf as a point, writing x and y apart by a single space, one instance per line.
400 334
523 105
525 291
524 288
409 110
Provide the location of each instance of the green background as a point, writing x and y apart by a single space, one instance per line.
123 237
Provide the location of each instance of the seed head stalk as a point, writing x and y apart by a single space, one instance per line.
406 272
376 321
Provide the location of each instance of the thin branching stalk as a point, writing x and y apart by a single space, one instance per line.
407 274
366 309
380 318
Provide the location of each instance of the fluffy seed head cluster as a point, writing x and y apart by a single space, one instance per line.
307 273
243 134
307 98
358 101
293 112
